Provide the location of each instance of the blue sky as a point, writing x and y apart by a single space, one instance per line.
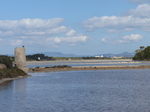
83 27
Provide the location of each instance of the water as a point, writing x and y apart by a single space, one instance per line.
88 63
79 91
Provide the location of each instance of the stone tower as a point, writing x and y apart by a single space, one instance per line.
20 58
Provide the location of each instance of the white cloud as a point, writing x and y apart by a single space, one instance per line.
140 1
133 37
128 29
130 38
59 41
54 41
138 18
105 39
121 41
38 32
119 30
52 31
70 40
30 23
31 27
16 42
70 33
142 10
116 22
112 31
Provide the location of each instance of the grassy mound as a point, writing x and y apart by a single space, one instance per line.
11 73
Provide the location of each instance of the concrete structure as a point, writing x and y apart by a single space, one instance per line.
20 58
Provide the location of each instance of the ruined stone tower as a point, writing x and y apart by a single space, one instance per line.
20 58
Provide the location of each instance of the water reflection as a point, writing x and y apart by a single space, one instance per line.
20 91
13 95
5 84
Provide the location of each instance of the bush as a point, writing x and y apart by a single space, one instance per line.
61 66
11 73
1 75
6 60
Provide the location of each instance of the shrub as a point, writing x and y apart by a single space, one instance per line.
1 75
6 60
10 73
62 66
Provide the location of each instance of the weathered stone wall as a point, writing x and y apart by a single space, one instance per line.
20 58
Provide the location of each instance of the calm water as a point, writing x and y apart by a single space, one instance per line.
79 91
88 63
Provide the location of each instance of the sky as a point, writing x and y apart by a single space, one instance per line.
81 27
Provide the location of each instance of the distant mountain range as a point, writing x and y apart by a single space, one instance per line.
59 54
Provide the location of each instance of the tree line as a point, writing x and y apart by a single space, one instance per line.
142 53
38 57
43 57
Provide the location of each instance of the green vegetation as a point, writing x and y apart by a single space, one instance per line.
142 53
38 57
7 61
59 66
78 58
41 57
9 71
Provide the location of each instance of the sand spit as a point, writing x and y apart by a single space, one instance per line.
49 69
83 61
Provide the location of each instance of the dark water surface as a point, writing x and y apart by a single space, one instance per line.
79 91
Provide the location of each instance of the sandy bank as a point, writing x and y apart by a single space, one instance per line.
48 69
91 60
81 62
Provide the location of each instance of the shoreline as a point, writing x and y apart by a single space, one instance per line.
78 68
9 79
75 68
90 60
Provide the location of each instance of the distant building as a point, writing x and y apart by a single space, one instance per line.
117 57
39 59
102 56
99 56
